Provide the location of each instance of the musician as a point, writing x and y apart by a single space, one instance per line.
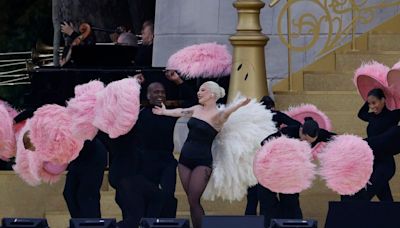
85 36
145 51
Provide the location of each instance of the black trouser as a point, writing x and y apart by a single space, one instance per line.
383 171
137 197
163 172
252 200
83 182
286 207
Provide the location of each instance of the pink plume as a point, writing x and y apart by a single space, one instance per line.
26 161
346 164
51 173
284 165
117 107
50 133
11 111
7 136
373 69
317 149
208 60
393 78
308 110
373 75
81 109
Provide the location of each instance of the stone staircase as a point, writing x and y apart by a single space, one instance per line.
331 89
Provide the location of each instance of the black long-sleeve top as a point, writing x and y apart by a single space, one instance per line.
379 123
144 55
294 132
281 118
151 139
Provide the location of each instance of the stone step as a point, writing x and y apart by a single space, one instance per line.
347 122
383 42
324 100
350 61
328 81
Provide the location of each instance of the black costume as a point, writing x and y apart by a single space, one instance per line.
84 179
288 205
143 168
133 190
196 150
252 193
382 132
144 55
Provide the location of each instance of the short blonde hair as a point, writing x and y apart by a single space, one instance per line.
217 90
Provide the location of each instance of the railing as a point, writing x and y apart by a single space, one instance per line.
335 19
13 68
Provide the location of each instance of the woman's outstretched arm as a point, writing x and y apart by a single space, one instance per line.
177 112
229 110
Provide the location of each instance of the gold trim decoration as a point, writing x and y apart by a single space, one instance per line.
332 18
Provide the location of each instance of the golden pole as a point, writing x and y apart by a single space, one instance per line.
289 34
353 30
248 75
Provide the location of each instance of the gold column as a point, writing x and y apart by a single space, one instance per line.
248 75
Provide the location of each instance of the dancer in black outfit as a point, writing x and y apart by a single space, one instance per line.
84 179
279 118
156 143
143 169
288 205
381 131
195 162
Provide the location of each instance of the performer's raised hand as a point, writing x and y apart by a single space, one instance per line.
159 110
245 101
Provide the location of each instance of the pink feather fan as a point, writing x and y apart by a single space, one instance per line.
11 111
284 165
50 133
208 60
26 161
7 136
117 107
308 110
346 164
393 78
81 109
373 75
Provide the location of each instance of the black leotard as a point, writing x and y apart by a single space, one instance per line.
196 150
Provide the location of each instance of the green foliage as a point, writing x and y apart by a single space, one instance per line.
24 22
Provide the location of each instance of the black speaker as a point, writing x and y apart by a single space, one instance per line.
92 223
363 214
24 222
293 223
233 221
164 223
